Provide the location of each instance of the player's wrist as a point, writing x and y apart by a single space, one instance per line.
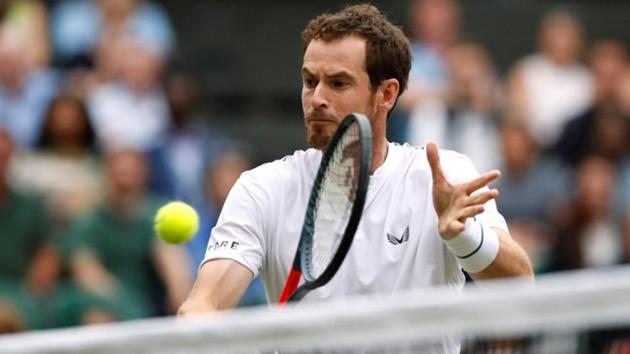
476 247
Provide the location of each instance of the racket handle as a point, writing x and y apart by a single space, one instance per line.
289 287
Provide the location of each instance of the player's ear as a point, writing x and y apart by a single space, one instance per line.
388 92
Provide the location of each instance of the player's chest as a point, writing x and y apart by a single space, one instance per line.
397 227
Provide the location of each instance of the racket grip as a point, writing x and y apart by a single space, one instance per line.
292 283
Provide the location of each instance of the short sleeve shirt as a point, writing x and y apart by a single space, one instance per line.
259 226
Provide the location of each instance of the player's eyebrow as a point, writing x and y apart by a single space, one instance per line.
341 74
344 75
306 72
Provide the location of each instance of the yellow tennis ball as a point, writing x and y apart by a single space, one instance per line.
176 222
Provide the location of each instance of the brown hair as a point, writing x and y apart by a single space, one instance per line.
387 51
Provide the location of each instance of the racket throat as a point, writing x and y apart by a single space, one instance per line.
292 283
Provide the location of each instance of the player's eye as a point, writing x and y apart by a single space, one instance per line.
339 84
309 82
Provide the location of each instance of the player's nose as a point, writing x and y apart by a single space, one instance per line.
319 100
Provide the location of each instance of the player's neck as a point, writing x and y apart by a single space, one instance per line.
379 152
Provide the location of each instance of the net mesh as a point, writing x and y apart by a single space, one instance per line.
337 194
582 312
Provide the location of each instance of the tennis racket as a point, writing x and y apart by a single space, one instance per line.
334 208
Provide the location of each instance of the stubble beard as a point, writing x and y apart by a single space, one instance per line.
318 135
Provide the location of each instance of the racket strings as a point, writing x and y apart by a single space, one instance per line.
336 198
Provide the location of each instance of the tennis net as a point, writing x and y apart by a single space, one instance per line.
573 312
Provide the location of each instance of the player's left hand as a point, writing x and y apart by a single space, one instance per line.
454 203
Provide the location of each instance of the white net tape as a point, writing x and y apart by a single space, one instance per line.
571 301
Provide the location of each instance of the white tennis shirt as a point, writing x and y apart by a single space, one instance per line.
259 226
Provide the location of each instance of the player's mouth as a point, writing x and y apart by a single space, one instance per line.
321 120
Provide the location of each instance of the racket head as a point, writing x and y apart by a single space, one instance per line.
336 201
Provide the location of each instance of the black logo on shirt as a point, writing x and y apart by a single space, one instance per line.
223 244
397 241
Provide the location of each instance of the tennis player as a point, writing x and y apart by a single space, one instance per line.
428 213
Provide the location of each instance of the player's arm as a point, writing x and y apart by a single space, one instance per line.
511 260
235 252
484 252
219 286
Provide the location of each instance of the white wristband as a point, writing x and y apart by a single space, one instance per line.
476 247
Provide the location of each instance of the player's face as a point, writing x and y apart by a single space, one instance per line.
335 83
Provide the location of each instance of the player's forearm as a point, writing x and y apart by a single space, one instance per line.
195 307
511 261
207 301
198 304
219 286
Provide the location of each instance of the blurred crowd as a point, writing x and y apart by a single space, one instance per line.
96 132
557 125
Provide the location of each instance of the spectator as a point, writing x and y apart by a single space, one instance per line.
178 164
600 128
604 129
78 28
114 253
131 112
11 319
27 20
25 91
588 232
434 29
549 87
466 122
68 170
623 197
29 267
532 186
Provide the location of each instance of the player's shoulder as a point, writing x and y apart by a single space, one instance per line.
297 162
302 163
418 154
456 166
406 150
299 158
453 157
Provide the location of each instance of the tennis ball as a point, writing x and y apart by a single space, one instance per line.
176 222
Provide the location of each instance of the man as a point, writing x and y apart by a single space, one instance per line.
25 89
356 61
114 253
29 264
